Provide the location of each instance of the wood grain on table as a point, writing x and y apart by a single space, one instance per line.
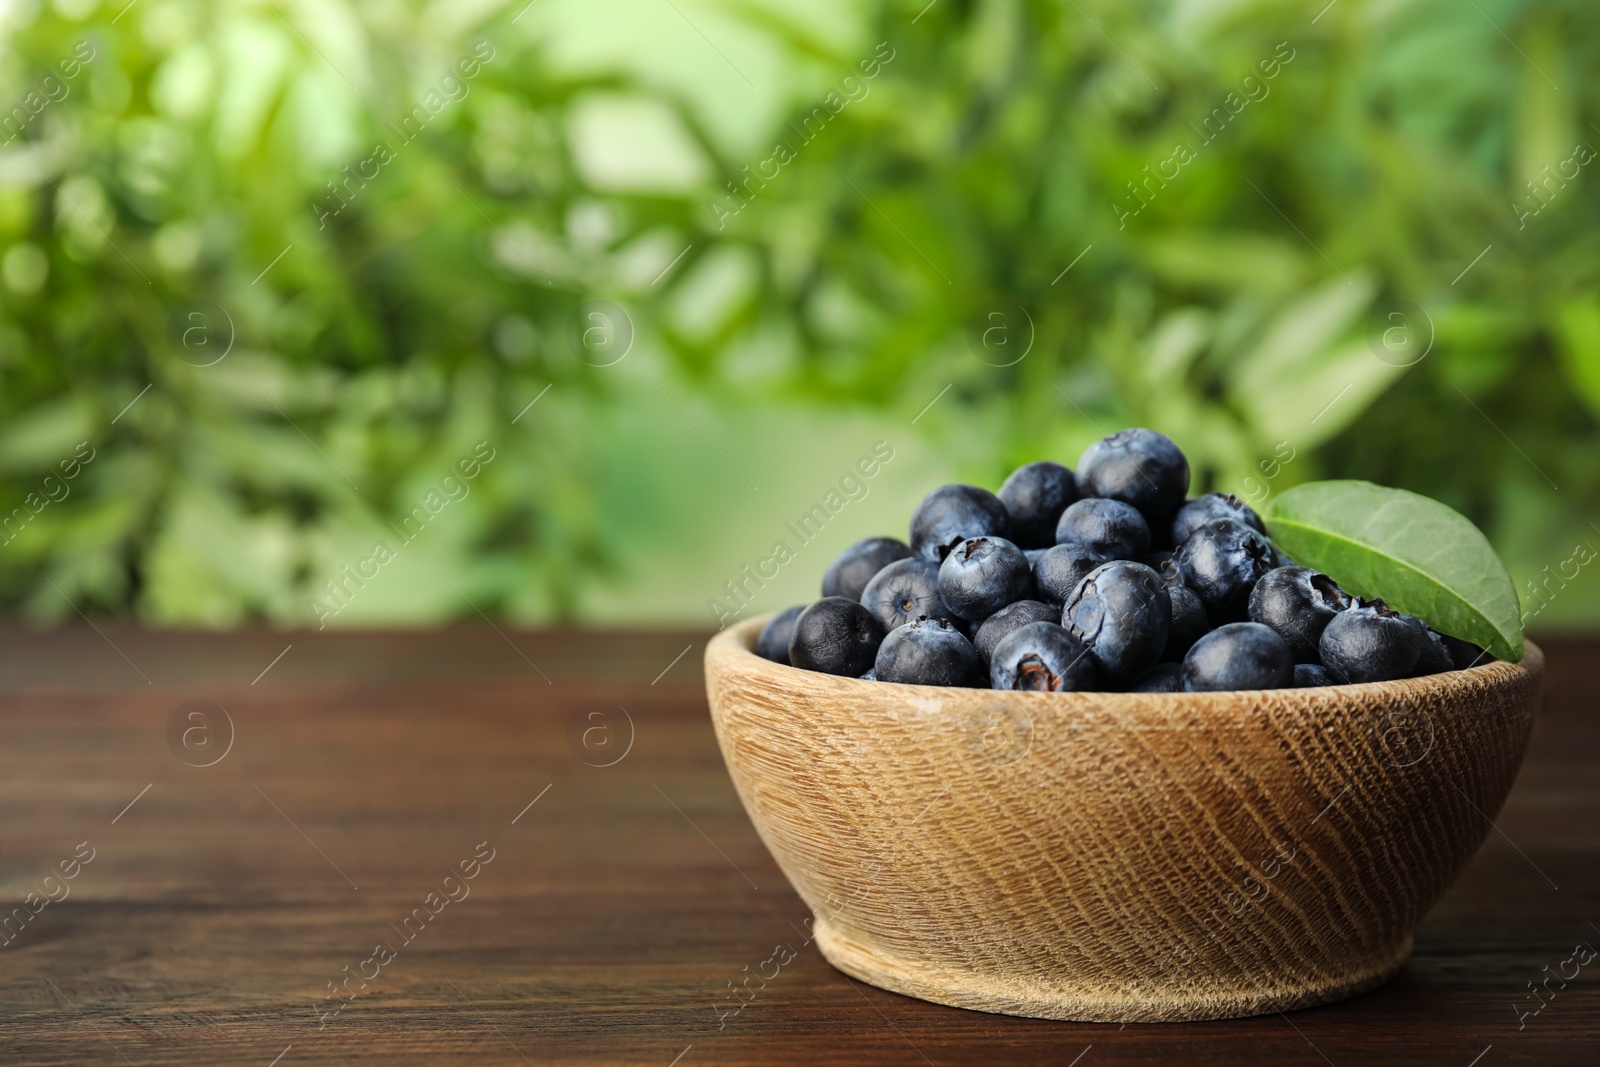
609 908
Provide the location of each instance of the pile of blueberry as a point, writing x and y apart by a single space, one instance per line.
1107 579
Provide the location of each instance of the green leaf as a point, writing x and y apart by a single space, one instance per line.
1421 557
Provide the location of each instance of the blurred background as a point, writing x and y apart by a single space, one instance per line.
384 313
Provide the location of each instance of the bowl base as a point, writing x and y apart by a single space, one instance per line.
1096 1004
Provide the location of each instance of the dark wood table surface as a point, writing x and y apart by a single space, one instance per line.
210 907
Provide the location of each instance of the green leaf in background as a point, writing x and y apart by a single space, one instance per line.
1579 348
998 154
1421 557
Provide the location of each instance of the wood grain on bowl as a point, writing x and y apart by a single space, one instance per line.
1119 856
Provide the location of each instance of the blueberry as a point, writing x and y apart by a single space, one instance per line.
870 676
1298 603
1189 622
981 575
850 572
904 591
1310 675
1058 570
1434 655
1464 655
1162 678
1222 561
1203 509
1138 467
1041 657
773 643
1000 625
1239 655
836 636
951 514
929 652
1157 559
1122 612
1369 643
1035 496
1110 528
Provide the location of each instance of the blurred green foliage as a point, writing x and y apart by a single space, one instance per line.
1267 231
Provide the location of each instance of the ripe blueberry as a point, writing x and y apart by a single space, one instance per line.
1109 528
836 636
1041 657
1138 467
1035 495
904 591
981 575
951 514
1298 603
1203 509
853 568
1122 612
1222 561
929 652
1239 655
1369 643
1433 655
998 627
773 643
1311 675
1058 570
1464 654
1189 622
1162 678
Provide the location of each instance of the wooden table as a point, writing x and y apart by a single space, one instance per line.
617 903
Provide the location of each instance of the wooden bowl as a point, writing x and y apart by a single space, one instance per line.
1118 857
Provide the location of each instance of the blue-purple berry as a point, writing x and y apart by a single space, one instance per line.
852 569
998 627
929 652
903 592
773 642
1238 655
1370 643
1122 612
1042 657
1111 529
836 636
1203 509
1298 602
1139 467
981 575
951 514
1222 561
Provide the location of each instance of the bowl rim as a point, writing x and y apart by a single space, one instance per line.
733 650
